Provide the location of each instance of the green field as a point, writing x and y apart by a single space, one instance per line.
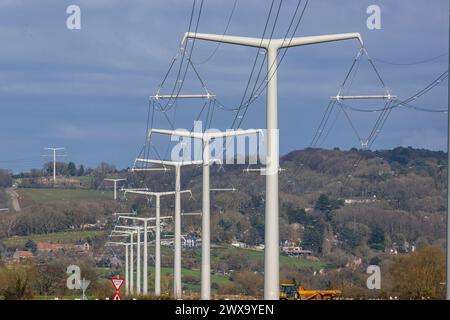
284 260
218 251
168 271
83 178
62 237
41 195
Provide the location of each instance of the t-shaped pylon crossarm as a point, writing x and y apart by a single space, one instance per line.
112 243
191 213
134 228
134 189
115 185
273 43
123 232
177 163
155 194
54 149
170 163
144 219
182 96
365 97
206 136
115 234
124 214
147 169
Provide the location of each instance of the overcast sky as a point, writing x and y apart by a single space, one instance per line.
87 90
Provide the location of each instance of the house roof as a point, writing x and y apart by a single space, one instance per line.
23 254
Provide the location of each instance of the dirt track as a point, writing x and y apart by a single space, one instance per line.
14 199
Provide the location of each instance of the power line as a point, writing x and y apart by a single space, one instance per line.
323 122
190 55
356 63
216 102
19 160
331 126
256 58
380 122
262 63
145 148
407 105
430 110
264 84
407 102
224 32
411 63
178 82
266 79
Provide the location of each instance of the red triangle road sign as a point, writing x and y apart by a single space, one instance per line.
117 283
117 296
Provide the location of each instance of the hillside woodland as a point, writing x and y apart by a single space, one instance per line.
350 208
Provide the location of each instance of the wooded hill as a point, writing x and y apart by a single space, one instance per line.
351 208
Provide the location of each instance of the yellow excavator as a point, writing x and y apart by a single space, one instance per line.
292 291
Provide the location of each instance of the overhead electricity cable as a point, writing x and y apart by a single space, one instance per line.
255 61
263 85
182 51
176 57
224 32
262 65
323 123
406 102
180 86
180 79
333 123
412 63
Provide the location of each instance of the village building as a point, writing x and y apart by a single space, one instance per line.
19 255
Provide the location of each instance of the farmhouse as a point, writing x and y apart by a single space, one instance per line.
22 255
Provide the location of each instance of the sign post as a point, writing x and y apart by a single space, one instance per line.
84 284
117 283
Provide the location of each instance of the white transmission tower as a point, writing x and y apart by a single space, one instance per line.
54 159
206 224
115 185
158 196
177 286
272 46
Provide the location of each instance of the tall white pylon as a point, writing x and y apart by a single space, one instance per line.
158 196
54 160
131 268
146 228
206 137
127 273
115 185
177 286
137 231
131 231
272 46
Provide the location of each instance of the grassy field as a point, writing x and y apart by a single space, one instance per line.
61 237
168 271
217 252
40 196
284 260
83 178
